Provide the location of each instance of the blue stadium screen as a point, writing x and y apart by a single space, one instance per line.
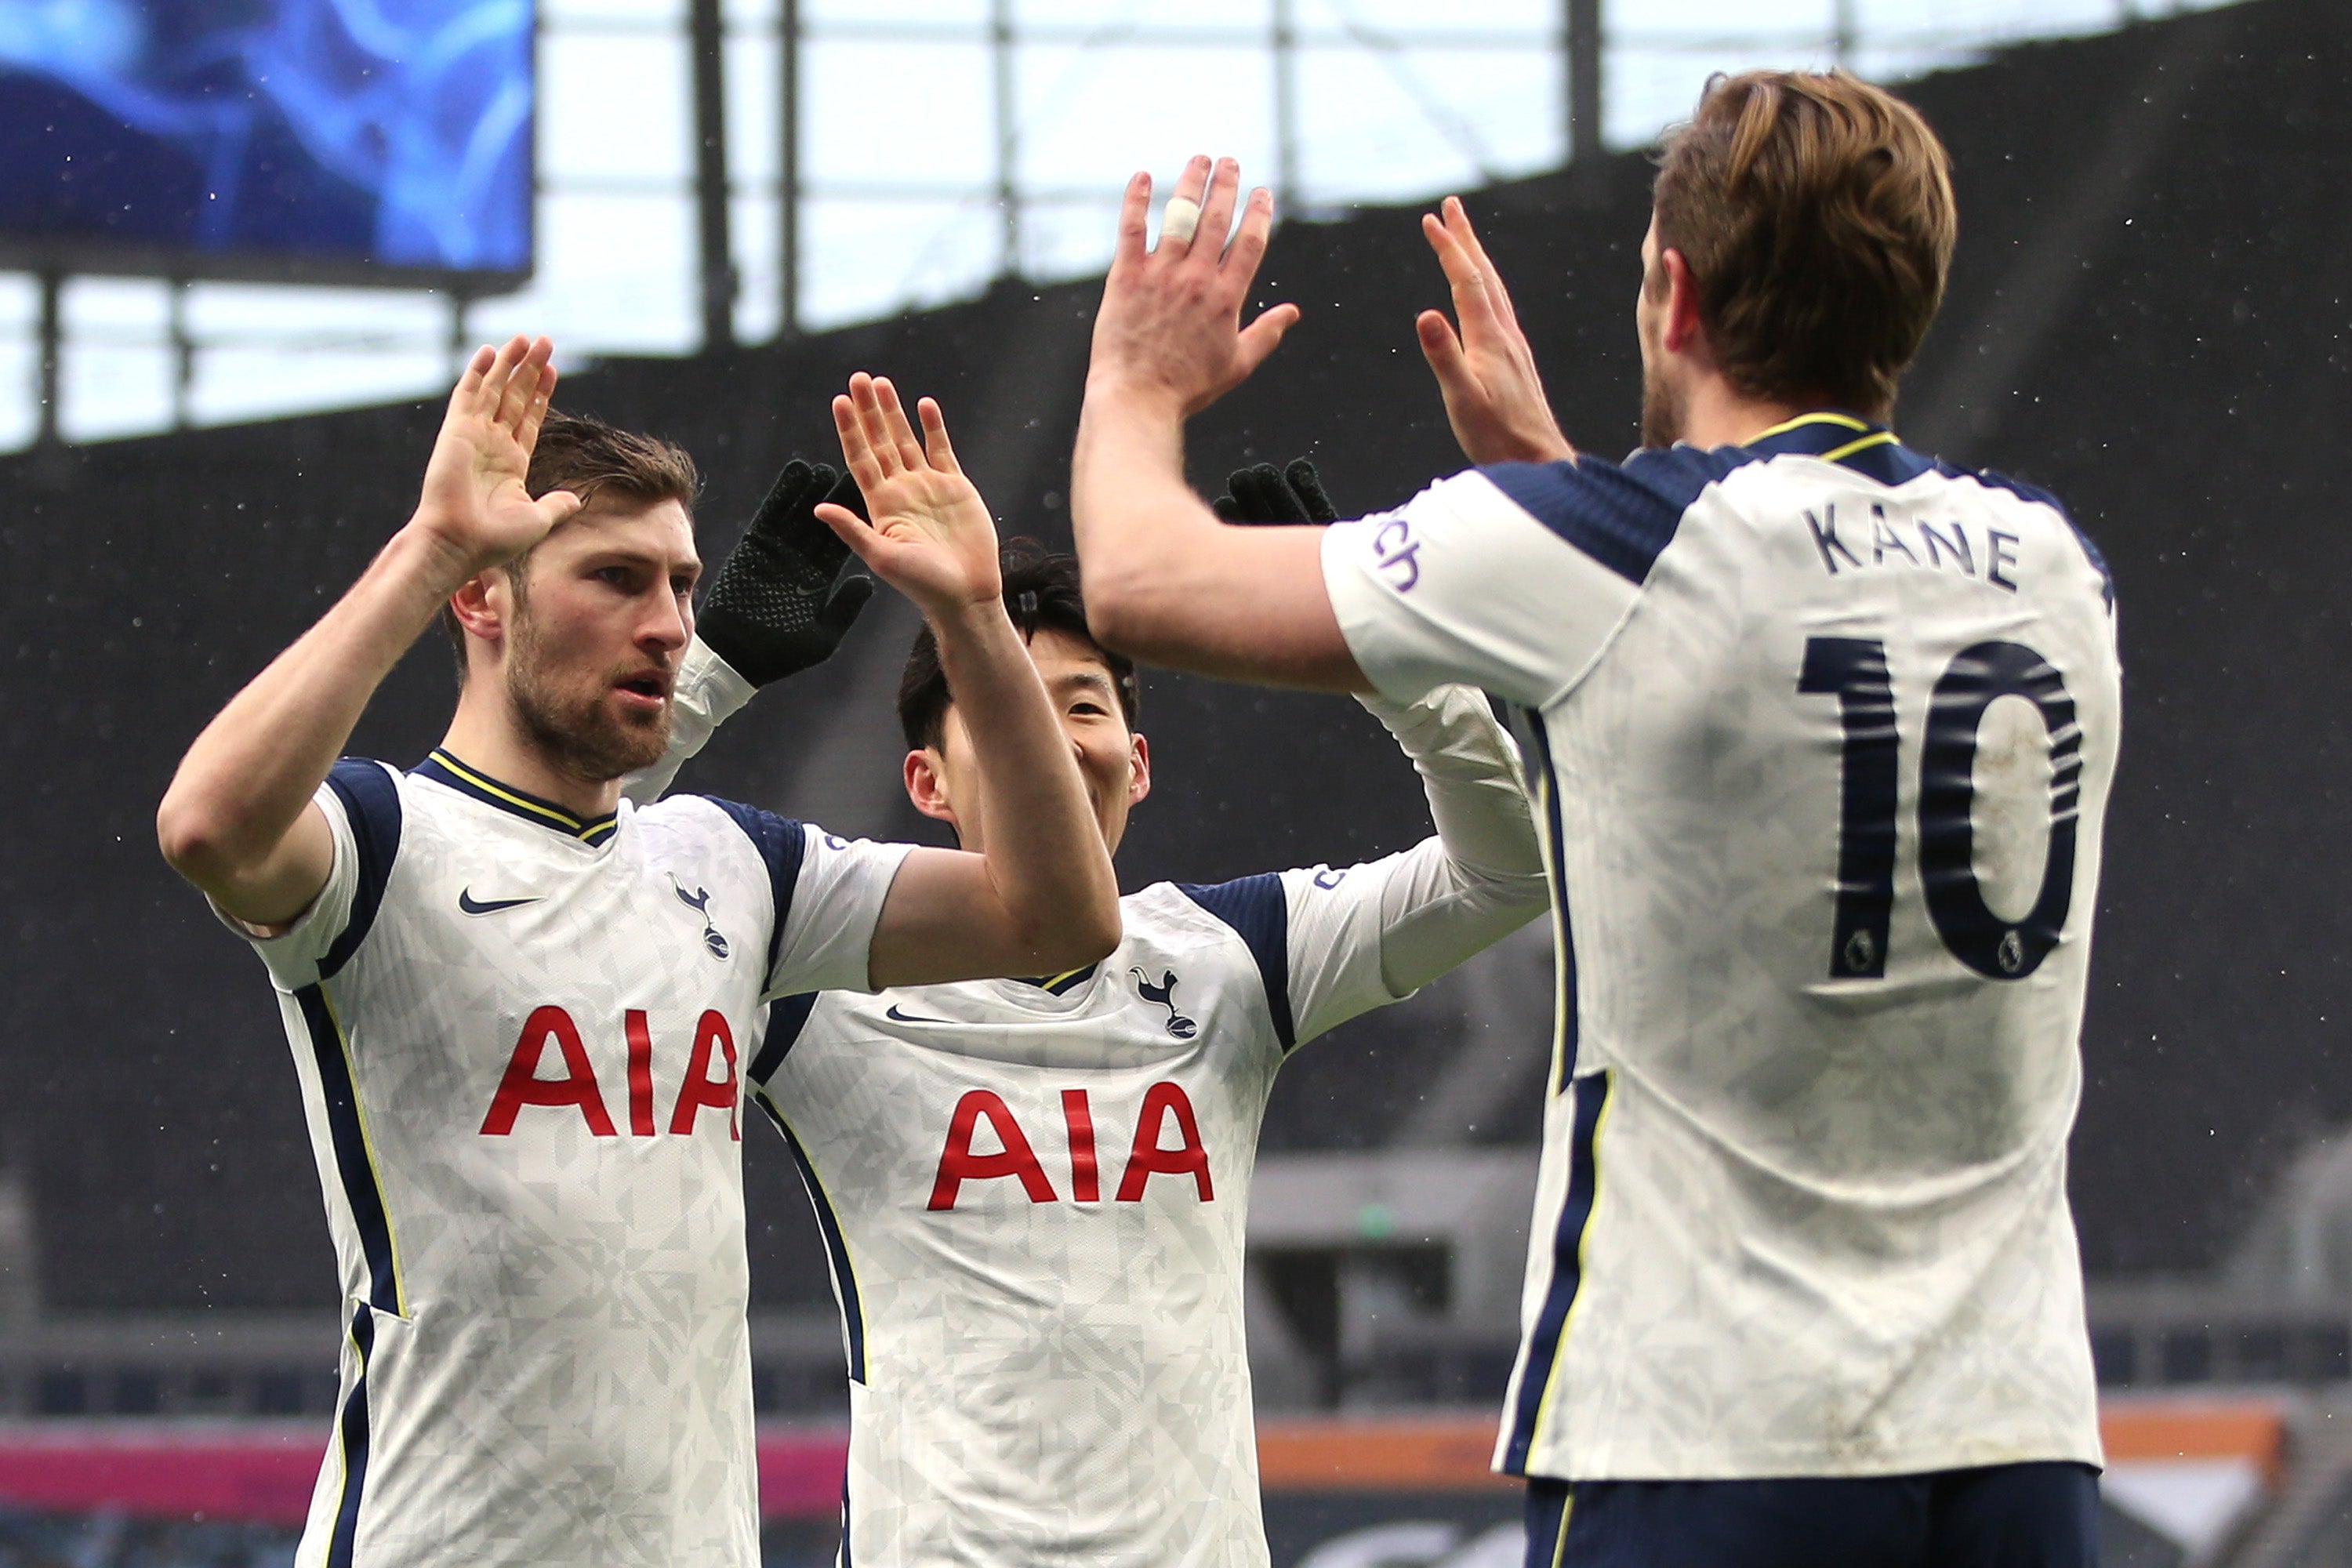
227 134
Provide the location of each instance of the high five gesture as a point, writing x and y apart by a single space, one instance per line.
931 537
1169 325
474 500
1494 397
238 819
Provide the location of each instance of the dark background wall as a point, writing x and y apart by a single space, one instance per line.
2148 314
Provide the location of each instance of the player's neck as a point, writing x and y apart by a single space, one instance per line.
485 736
1719 415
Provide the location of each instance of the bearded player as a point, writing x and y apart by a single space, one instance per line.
1823 732
1034 1191
516 1002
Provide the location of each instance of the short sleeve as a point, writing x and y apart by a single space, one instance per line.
361 803
829 893
1316 934
1512 578
1335 944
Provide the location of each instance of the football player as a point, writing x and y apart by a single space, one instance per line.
1822 731
517 1004
1034 1191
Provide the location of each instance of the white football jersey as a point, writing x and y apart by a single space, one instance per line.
1822 736
1034 1196
517 1034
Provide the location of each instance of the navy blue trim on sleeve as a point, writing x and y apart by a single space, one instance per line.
781 842
1259 912
786 1018
1622 517
370 801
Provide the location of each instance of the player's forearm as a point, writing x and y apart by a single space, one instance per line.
247 778
1436 911
1482 877
1132 515
1168 583
1044 849
1470 774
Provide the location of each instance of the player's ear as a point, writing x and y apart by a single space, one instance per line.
926 788
1138 756
1683 328
481 604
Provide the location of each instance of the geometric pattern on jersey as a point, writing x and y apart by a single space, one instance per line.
1034 1198
517 1033
1820 734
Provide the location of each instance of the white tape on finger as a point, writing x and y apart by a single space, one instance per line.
1179 218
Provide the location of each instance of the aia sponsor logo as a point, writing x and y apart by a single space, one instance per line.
1165 1114
525 1088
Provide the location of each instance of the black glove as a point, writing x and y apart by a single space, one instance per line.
780 601
1263 493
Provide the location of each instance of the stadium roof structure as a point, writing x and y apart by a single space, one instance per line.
2148 315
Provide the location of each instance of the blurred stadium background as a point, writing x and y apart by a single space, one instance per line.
2149 314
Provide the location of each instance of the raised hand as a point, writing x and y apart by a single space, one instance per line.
475 501
1264 494
781 604
931 537
1169 325
1494 398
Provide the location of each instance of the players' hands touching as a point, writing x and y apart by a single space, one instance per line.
931 537
1169 327
475 504
1494 398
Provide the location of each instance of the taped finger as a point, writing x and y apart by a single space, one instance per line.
1179 219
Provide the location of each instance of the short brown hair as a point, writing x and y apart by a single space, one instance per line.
1815 214
1041 592
592 458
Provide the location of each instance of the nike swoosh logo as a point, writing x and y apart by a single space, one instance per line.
893 1012
466 902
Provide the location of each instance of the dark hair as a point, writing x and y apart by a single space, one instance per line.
1041 592
591 458
1815 212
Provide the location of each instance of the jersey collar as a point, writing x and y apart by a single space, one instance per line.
1060 984
443 769
1846 439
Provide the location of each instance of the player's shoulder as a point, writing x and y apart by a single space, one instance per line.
1620 515
689 822
1204 909
2026 501
1243 923
1176 915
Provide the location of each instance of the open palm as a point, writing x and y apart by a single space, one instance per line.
931 537
475 495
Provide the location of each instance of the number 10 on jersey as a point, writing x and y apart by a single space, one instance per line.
1854 671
